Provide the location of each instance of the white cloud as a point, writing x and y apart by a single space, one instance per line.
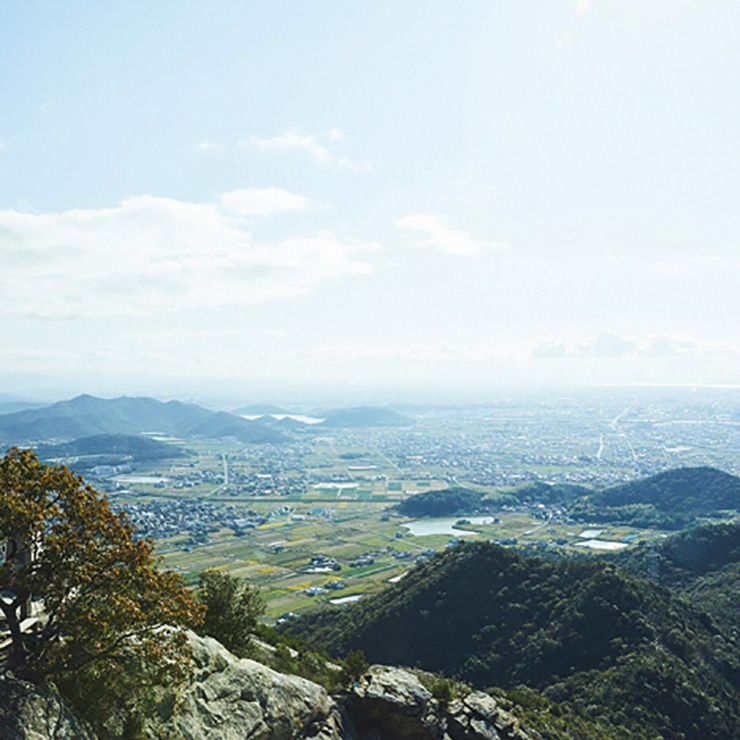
3 146
611 346
662 346
311 144
583 6
436 233
292 140
550 350
153 254
264 202
207 146
345 163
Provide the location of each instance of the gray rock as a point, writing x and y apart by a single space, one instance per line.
392 704
30 712
235 699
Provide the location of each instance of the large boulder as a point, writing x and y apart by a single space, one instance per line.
392 704
234 699
30 712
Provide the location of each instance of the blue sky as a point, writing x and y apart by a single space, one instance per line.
419 194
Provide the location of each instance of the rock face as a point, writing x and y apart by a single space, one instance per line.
238 699
29 712
392 704
233 699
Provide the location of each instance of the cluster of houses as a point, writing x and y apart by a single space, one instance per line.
321 564
197 517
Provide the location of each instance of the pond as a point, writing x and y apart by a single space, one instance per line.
445 525
142 479
346 599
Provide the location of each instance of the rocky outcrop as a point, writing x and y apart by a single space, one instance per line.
29 712
235 699
239 699
392 704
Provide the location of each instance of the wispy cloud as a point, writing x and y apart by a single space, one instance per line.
311 144
583 6
345 163
207 146
292 140
152 254
264 202
434 232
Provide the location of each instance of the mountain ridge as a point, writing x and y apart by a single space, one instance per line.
671 499
570 629
87 416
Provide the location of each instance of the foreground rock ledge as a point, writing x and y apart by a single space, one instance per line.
29 712
233 699
237 699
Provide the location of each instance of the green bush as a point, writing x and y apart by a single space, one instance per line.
232 609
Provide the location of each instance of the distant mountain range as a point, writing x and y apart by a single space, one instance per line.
87 416
259 409
364 416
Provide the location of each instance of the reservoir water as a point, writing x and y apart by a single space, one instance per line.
445 525
346 599
143 479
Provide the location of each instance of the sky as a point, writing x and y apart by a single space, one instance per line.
410 194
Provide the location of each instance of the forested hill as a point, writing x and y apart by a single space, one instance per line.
684 555
703 563
584 632
86 416
670 500
447 502
137 447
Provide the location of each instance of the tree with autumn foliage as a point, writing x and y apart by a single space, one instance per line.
111 622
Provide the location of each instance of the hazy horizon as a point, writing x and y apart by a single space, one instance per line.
410 197
231 393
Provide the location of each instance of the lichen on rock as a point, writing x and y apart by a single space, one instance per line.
30 712
232 699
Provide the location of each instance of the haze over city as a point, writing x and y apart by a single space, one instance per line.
417 195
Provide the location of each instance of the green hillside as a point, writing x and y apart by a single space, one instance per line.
669 500
702 563
447 502
550 493
136 447
223 424
578 631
